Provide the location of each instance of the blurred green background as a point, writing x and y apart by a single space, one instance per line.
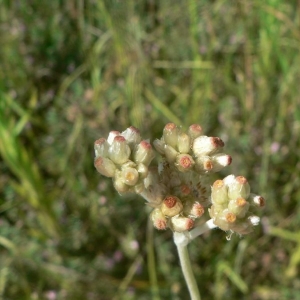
71 71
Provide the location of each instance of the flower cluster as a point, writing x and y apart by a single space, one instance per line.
231 204
125 157
178 187
192 150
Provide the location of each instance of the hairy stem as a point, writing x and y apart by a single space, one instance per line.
181 240
188 272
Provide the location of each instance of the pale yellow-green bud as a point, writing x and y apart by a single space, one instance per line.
130 176
194 131
181 224
238 187
119 151
170 153
170 135
184 143
204 164
192 208
105 166
219 192
158 219
159 145
119 184
143 170
225 220
171 206
239 207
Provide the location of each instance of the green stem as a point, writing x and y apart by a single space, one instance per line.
188 272
151 262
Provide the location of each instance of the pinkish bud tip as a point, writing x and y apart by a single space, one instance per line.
119 139
145 145
134 129
197 210
170 126
160 224
196 128
185 162
99 141
170 201
241 179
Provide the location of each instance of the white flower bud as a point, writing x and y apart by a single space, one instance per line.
105 166
181 224
144 153
254 220
132 136
101 147
220 161
204 145
119 151
112 135
257 200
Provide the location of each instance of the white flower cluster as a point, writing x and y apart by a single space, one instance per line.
192 150
125 158
231 205
177 187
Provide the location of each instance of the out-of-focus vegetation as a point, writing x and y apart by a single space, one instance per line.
71 71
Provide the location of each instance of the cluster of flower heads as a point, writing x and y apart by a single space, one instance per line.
178 188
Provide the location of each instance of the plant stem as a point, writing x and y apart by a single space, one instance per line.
188 272
181 240
151 262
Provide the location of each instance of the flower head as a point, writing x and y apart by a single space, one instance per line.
178 187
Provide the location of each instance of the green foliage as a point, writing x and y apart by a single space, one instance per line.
71 71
